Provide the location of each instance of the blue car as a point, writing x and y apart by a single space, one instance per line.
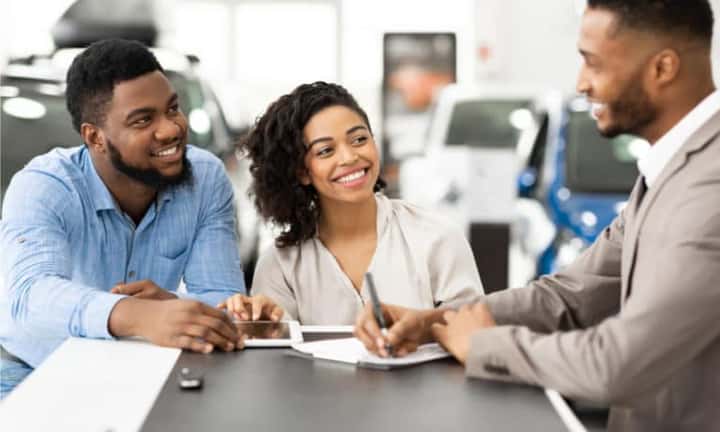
581 179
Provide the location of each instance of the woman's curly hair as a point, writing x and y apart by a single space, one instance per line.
277 151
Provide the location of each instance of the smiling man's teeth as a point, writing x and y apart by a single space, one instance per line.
350 177
168 152
595 108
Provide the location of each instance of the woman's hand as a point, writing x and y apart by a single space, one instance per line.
253 308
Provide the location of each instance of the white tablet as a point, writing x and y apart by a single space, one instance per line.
270 333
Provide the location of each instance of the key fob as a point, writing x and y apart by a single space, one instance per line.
189 380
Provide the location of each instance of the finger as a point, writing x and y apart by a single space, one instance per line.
193 344
257 305
449 316
218 321
234 306
277 313
222 305
440 334
209 335
145 294
370 324
240 307
117 289
268 307
131 288
362 335
241 342
406 348
405 329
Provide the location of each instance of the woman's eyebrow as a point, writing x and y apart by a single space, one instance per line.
355 129
318 140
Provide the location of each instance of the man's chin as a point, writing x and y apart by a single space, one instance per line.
610 132
608 129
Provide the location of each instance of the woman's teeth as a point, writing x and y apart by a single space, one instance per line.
351 177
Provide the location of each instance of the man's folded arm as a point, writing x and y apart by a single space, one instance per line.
36 264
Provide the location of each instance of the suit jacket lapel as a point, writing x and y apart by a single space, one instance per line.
631 210
696 143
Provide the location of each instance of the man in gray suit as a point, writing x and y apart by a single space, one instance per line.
635 320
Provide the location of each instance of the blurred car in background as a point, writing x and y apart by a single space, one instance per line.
465 165
468 126
580 179
35 120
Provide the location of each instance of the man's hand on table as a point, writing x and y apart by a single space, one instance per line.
144 289
459 326
186 324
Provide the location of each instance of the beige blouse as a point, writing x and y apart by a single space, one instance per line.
419 262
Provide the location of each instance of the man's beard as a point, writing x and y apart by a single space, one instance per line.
632 113
150 177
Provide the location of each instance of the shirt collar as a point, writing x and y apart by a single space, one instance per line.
660 153
100 195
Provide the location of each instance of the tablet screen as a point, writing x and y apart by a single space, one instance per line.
264 329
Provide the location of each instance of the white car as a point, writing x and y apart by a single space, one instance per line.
474 133
466 164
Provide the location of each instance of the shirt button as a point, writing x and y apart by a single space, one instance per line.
131 274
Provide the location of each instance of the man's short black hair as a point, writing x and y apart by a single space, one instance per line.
684 18
94 73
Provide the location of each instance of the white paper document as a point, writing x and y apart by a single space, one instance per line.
351 350
327 329
90 385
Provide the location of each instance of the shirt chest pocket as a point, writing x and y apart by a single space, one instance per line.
172 241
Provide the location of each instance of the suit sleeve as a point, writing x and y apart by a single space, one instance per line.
660 329
579 296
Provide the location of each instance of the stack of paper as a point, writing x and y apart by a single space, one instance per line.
351 350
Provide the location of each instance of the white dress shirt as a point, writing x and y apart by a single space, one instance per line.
660 153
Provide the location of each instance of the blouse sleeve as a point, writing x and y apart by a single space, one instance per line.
454 277
270 281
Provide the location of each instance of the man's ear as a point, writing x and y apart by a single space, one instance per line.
665 67
93 137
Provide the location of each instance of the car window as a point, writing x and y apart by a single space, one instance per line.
598 164
192 102
488 123
33 122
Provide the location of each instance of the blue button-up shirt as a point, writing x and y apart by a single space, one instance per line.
64 243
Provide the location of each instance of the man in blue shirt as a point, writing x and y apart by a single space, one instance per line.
96 239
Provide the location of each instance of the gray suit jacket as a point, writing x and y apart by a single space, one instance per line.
635 320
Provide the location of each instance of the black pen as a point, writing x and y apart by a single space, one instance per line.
377 310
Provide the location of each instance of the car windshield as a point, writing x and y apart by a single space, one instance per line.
598 164
488 123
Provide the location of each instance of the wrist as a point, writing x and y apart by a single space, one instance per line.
430 317
123 320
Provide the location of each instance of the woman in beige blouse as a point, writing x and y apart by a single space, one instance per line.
315 168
